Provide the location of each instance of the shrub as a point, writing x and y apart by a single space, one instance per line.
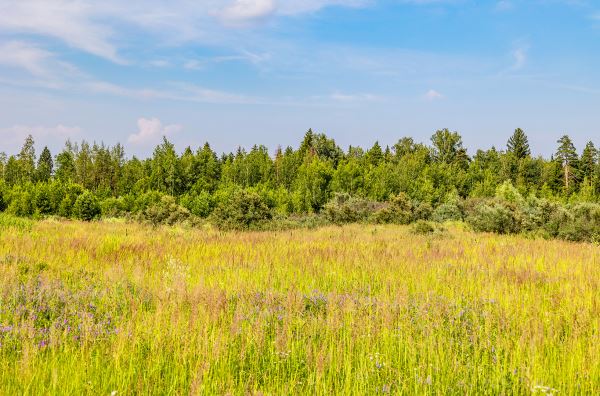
423 227
145 200
43 199
21 202
242 210
166 211
583 224
494 217
448 211
86 207
422 211
112 207
398 211
343 208
200 204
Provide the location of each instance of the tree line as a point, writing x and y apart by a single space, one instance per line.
89 180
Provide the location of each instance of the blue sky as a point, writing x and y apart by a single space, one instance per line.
239 72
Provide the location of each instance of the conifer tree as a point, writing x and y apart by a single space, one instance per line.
518 144
45 166
588 161
566 154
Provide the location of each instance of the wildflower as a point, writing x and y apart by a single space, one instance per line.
544 389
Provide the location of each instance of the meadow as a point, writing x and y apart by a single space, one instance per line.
121 308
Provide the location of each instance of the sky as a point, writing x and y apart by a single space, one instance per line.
243 72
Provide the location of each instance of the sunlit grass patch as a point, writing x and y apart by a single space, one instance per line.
109 306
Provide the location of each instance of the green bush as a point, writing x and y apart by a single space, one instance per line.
43 199
112 207
495 217
398 211
165 211
200 204
343 208
86 207
242 210
422 211
21 201
583 224
422 227
448 211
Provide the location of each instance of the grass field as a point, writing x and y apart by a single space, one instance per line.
94 308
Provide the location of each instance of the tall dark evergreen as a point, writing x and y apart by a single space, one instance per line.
45 166
518 144
588 162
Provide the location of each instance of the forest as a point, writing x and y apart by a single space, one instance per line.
506 190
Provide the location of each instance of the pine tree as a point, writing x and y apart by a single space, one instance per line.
588 161
45 166
518 144
566 154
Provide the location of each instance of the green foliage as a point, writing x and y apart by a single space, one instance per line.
200 204
583 224
495 217
86 207
241 210
344 208
422 227
45 166
398 211
165 211
498 191
518 145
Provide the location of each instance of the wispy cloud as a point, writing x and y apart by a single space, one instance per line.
519 57
24 55
432 95
177 91
243 12
352 98
16 134
97 27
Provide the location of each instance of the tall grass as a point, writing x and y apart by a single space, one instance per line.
103 307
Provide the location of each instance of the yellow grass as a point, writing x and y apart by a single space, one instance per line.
102 307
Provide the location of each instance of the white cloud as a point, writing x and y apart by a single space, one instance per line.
242 12
432 95
348 98
97 27
17 133
24 55
150 130
70 21
174 91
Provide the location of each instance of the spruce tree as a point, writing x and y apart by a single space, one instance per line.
518 144
588 161
45 166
